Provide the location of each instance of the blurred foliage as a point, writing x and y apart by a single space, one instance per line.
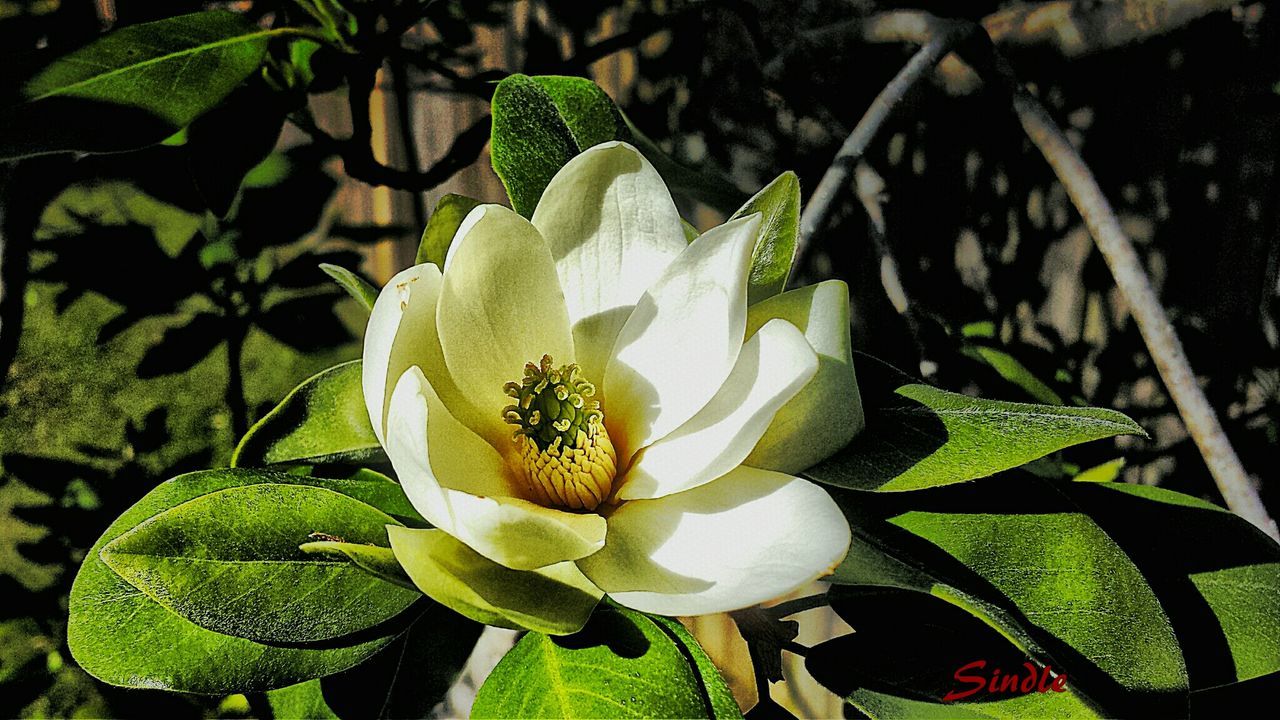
164 288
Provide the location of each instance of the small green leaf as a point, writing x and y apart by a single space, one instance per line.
123 637
622 664
356 286
530 141
304 701
918 436
322 420
134 86
1012 370
442 226
779 204
229 561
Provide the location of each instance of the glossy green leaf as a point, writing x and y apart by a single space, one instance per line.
123 637
556 599
918 436
304 701
356 286
1012 370
1217 576
723 704
229 561
1069 579
134 86
908 646
443 224
622 664
322 420
779 205
408 677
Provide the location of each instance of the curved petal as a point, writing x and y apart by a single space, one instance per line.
405 308
401 334
682 339
827 412
773 365
556 600
747 537
510 531
500 307
612 228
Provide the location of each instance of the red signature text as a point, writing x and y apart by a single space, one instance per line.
1024 681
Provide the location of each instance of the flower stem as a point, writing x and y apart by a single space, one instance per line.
797 605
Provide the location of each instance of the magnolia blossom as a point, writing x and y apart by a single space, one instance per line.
583 403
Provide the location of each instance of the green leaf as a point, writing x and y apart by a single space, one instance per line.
134 86
1217 575
450 211
322 420
587 110
123 637
909 645
623 664
229 561
723 704
918 436
1012 370
356 286
406 679
530 141
304 701
1049 572
779 204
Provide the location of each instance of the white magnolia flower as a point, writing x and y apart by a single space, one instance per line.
585 404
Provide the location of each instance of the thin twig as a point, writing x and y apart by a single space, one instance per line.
797 605
836 178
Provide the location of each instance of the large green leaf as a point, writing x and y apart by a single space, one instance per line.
450 211
1021 556
779 205
123 637
908 646
1217 575
622 664
918 436
322 420
230 562
134 86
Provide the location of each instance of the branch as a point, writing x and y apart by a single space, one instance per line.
833 182
1126 267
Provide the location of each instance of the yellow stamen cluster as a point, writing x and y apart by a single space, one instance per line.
565 450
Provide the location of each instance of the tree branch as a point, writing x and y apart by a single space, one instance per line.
1126 268
833 182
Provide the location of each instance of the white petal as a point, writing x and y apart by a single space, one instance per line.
747 537
405 308
682 339
827 412
612 228
773 365
500 307
556 600
510 531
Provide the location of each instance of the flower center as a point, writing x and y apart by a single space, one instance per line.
565 450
